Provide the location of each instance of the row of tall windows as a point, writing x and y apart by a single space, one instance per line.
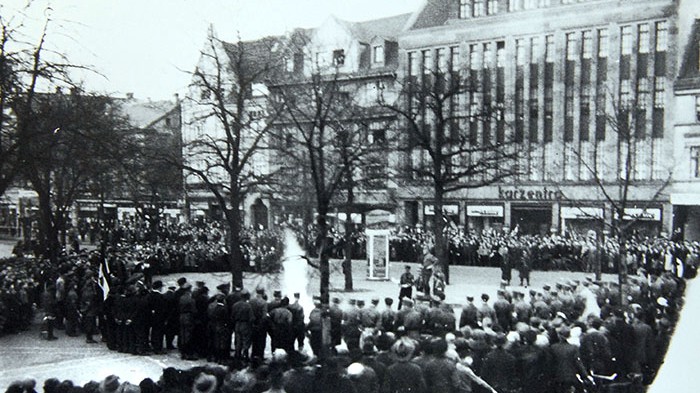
589 100
477 8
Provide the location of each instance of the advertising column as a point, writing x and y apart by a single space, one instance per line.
377 254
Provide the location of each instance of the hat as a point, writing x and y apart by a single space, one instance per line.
360 303
109 384
388 301
240 381
336 300
223 287
352 301
204 383
260 290
402 349
407 302
130 388
546 287
157 284
407 267
297 295
375 300
181 281
485 297
277 294
564 332
186 286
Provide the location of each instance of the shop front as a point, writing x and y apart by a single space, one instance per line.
450 213
578 221
686 216
531 219
644 222
484 217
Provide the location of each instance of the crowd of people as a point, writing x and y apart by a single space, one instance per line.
567 336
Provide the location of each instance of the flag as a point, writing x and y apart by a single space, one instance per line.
102 280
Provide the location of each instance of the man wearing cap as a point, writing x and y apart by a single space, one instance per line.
566 364
336 316
406 283
504 311
485 310
298 327
281 327
188 310
172 316
470 314
259 335
157 313
242 318
219 329
352 323
387 316
315 327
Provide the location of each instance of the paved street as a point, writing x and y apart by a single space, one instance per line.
26 355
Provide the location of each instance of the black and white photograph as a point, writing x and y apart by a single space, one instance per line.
349 196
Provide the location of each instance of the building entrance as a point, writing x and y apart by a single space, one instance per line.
531 220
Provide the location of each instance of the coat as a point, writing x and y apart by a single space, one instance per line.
404 377
566 363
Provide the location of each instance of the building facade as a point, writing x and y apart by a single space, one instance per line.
587 89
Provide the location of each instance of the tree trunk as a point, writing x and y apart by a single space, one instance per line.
233 218
323 246
440 238
47 230
349 228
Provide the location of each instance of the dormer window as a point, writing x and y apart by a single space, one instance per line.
378 54
338 57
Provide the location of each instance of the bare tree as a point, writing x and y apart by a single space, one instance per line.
615 166
74 138
452 145
323 133
231 117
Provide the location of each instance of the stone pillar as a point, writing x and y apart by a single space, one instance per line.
667 218
420 213
555 217
506 215
463 213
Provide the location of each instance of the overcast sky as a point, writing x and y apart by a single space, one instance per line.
147 46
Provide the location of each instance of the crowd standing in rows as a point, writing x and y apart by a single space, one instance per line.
562 336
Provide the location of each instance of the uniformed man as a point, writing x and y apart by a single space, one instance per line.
406 283
259 333
315 327
188 310
281 327
470 314
387 316
242 317
336 316
351 326
298 328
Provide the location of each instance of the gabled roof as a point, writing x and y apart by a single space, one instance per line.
143 114
258 55
432 13
388 28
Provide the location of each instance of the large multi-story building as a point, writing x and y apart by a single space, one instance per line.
599 96
587 89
